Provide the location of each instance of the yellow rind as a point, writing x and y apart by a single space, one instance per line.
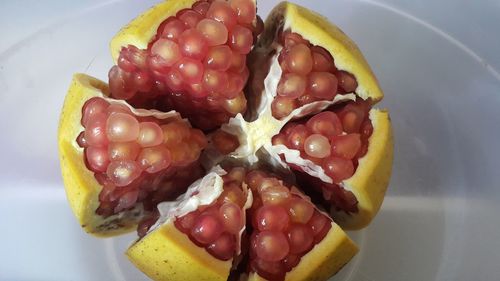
82 189
143 28
372 176
166 254
324 260
319 31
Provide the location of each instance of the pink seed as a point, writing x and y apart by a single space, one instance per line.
186 222
224 247
193 44
235 105
123 172
238 62
118 108
123 150
222 11
232 217
207 229
191 70
291 261
299 59
325 123
317 146
215 81
95 132
241 39
122 127
97 158
215 32
82 142
282 107
219 58
189 17
347 81
346 146
273 193
268 270
300 210
300 237
168 50
338 168
201 7
298 136
154 159
322 60
292 85
117 84
127 201
91 108
174 133
272 217
245 10
174 80
322 85
150 134
317 222
280 139
271 246
173 29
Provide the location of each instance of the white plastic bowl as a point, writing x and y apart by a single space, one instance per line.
436 63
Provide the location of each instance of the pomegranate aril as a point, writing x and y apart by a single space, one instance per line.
126 201
224 247
322 233
298 136
272 217
237 174
299 60
186 222
174 80
352 117
123 150
322 85
241 39
366 129
325 123
117 84
291 261
82 142
291 85
154 159
272 193
121 127
173 29
168 50
222 11
215 81
224 142
189 17
347 82
193 44
245 10
299 210
317 146
233 194
322 60
280 139
271 246
174 133
92 107
237 62
300 238
268 270
318 222
215 32
123 172
338 168
150 134
291 39
191 70
346 146
207 229
254 179
232 217
219 58
95 132
97 158
118 108
201 7
282 107
236 105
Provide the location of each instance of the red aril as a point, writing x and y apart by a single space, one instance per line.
271 246
173 29
241 39
193 44
224 142
167 50
191 70
282 107
346 146
219 58
154 159
123 150
338 168
189 17
92 107
352 117
95 132
232 217
322 60
223 248
300 238
215 32
245 10
97 158
317 146
272 217
322 85
150 134
236 105
347 82
123 172
299 210
121 127
207 229
291 85
215 81
318 222
201 7
221 11
299 59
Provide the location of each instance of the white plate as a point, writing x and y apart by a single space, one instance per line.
440 220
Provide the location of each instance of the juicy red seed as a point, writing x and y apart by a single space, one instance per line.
215 32
280 139
347 81
317 222
352 117
272 217
271 246
150 134
300 237
299 210
238 62
325 123
292 85
191 70
338 168
241 39
225 142
201 7
322 233
322 60
186 222
291 261
224 247
299 59
291 39
317 146
215 81
282 107
123 150
173 29
273 192
222 11
154 159
232 217
95 132
189 17
322 85
219 58
346 146
121 127
168 50
298 136
126 201
245 10
174 80
193 44
82 142
366 129
97 158
91 108
268 270
117 86
123 172
207 229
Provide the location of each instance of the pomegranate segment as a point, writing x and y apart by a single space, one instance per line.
131 156
309 74
285 226
216 227
334 140
195 64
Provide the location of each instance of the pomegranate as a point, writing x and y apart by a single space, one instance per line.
222 140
